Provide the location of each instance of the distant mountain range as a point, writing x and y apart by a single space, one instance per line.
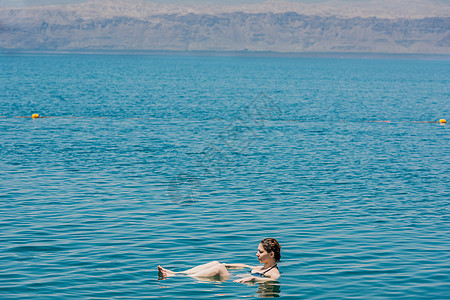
280 26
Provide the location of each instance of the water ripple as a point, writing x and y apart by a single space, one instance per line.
89 206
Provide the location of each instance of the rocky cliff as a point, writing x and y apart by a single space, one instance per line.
122 25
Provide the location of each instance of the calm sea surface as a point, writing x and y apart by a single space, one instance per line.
180 160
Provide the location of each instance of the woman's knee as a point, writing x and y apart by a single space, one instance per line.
222 271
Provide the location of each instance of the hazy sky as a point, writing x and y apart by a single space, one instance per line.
22 3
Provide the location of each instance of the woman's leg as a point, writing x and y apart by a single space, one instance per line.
214 271
162 272
201 268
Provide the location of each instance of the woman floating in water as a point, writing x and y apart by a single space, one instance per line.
268 254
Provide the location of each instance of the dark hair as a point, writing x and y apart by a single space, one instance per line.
271 245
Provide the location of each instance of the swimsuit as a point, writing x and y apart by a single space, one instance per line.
258 274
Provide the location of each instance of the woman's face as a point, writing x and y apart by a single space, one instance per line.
263 255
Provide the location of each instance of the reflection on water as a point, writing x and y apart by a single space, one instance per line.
268 290
264 290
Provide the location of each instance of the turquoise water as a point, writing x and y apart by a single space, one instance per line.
181 160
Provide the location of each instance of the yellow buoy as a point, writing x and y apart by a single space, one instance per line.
442 121
35 116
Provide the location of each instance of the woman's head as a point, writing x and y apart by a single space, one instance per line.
271 247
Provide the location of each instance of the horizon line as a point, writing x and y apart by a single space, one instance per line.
239 53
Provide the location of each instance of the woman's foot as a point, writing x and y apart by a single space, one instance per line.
164 273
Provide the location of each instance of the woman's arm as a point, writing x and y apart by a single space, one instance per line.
254 279
238 266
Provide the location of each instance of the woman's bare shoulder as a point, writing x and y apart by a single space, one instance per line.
274 274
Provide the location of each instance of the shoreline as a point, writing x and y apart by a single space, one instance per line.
340 55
